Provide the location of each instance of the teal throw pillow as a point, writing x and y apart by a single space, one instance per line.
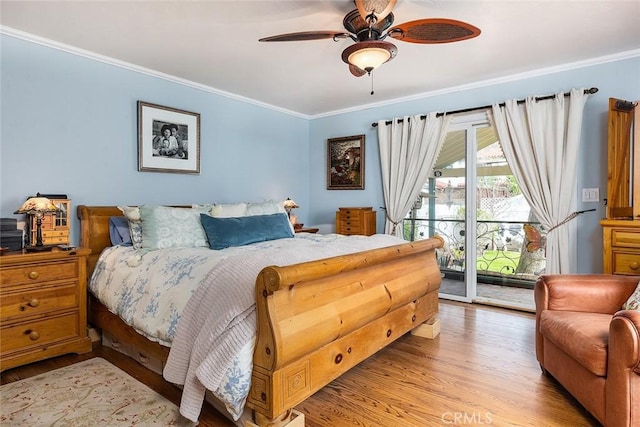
226 232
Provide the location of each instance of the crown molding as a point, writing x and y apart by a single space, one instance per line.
492 82
480 84
12 32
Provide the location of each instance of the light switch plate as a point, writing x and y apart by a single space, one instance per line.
590 194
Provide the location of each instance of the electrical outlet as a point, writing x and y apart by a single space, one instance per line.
590 194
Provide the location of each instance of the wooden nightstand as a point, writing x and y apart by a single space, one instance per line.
307 230
43 305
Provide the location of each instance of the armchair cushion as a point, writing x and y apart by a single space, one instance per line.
583 336
633 303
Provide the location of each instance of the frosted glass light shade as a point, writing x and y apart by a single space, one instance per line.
369 55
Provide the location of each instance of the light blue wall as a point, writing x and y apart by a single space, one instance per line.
619 79
69 125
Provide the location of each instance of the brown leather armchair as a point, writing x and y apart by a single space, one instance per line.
589 345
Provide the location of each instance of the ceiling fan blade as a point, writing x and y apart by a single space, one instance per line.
304 35
378 8
435 30
356 71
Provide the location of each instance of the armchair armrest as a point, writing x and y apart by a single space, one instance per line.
624 340
623 369
593 293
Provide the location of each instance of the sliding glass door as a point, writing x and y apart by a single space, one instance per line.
473 201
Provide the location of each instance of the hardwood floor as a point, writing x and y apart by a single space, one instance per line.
481 370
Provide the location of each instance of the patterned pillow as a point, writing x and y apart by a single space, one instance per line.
633 303
203 206
267 207
167 227
132 213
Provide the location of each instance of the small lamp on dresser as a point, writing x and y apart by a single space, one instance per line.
288 205
37 206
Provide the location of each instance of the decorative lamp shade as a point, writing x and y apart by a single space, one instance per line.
37 205
289 204
369 55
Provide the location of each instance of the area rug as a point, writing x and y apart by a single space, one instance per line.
89 393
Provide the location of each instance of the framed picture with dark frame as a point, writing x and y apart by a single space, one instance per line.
345 163
168 139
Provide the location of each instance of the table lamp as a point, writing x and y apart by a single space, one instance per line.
37 206
288 205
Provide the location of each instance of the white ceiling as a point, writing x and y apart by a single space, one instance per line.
215 43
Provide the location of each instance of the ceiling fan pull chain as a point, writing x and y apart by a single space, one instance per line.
371 74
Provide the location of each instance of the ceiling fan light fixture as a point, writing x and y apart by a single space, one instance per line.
369 55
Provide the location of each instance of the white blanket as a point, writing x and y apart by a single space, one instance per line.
206 340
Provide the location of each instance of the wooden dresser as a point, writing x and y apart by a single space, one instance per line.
356 221
43 310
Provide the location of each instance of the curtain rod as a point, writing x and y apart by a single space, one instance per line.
590 91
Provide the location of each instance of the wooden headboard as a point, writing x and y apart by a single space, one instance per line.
94 230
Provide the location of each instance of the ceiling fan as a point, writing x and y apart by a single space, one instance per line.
368 26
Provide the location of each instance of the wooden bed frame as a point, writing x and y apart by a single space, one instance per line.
316 320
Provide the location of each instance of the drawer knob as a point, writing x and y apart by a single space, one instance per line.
34 302
34 275
634 266
33 335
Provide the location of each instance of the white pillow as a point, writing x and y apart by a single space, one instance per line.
234 210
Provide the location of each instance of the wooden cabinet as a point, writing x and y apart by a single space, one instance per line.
356 221
55 226
621 228
623 160
43 310
621 246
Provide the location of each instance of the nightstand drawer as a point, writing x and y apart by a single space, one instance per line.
23 336
15 305
625 237
38 273
626 262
